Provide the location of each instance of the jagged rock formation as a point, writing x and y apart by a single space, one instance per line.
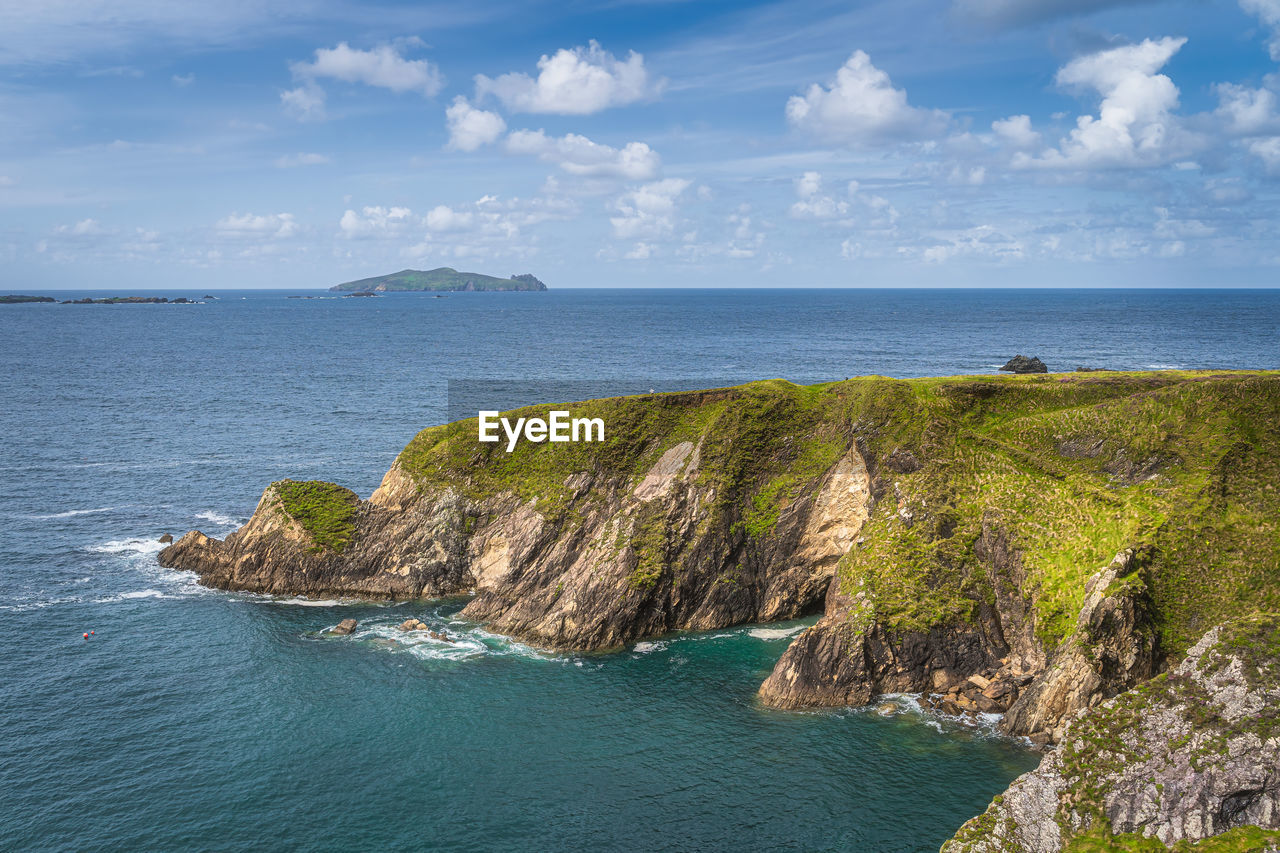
615 557
1191 754
1022 364
1028 544
1112 649
957 534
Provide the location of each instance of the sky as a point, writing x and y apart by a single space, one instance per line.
149 144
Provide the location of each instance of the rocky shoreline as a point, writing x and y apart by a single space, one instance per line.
1028 545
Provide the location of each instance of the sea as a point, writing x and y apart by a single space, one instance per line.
194 719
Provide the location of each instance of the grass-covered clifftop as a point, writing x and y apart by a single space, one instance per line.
326 511
1183 466
443 279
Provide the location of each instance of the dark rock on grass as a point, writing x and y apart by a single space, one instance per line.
345 627
1022 364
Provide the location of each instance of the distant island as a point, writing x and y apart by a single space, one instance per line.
442 279
17 299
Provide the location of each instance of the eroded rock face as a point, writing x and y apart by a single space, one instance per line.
1190 754
651 557
1114 648
415 552
848 657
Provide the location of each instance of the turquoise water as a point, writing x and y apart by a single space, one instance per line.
196 719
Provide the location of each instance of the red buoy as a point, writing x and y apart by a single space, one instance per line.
86 636
90 632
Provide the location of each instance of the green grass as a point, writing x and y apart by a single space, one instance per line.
327 512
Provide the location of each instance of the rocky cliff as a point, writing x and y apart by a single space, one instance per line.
1192 754
697 511
1034 545
1030 544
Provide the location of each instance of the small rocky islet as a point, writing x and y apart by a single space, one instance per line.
1035 546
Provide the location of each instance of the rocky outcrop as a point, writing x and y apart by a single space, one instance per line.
849 656
1113 648
621 559
1022 364
345 627
990 664
419 551
1191 754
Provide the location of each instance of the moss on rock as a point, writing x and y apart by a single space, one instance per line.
326 511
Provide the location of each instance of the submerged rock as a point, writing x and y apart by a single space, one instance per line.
1022 364
346 626
1191 754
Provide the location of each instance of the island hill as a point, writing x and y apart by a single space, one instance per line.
442 280
1094 555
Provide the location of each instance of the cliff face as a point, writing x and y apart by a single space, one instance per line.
1031 544
1189 755
1039 546
1034 545
708 510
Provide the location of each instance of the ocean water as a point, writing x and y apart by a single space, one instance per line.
205 720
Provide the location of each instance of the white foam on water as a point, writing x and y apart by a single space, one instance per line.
1165 367
298 601
646 647
134 596
128 546
774 633
983 725
27 606
71 513
469 641
218 518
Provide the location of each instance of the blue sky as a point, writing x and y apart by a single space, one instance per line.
1010 143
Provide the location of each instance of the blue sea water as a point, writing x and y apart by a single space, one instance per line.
196 719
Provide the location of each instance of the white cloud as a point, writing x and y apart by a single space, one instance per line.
982 241
812 204
83 228
290 161
580 81
648 211
1135 125
469 127
305 103
862 107
375 221
383 66
579 155
1269 12
183 80
277 225
6 181
1268 151
640 252
1243 111
444 218
1016 132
